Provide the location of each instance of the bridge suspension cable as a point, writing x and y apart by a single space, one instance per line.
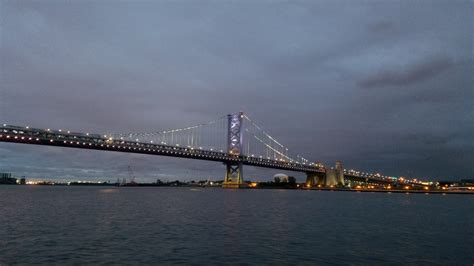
206 136
213 136
258 143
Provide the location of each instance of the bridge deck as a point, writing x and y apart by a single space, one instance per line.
47 137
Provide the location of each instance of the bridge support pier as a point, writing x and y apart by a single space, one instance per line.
233 177
314 179
331 177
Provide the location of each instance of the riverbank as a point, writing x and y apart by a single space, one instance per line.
443 192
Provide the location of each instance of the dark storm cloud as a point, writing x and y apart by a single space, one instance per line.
406 76
382 86
382 27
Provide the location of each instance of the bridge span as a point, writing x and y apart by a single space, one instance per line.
256 149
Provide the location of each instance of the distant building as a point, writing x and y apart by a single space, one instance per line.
23 181
467 182
6 178
5 175
282 178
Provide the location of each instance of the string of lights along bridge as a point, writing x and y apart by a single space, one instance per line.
234 139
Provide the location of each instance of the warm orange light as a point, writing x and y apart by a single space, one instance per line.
407 187
426 188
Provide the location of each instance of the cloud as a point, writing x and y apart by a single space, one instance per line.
382 27
412 74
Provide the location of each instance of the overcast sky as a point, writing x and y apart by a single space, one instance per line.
383 86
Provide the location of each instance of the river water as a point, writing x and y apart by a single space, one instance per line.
157 225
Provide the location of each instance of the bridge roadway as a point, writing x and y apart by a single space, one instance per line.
68 139
368 179
35 136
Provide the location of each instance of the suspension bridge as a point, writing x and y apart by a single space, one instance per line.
234 139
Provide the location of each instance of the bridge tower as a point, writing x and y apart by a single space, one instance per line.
234 177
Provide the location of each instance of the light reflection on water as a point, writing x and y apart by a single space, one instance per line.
109 190
126 225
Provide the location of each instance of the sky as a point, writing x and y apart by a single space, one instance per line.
383 86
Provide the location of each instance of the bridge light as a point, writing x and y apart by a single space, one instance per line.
50 140
27 127
87 134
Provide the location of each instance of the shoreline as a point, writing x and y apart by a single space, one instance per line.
398 191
